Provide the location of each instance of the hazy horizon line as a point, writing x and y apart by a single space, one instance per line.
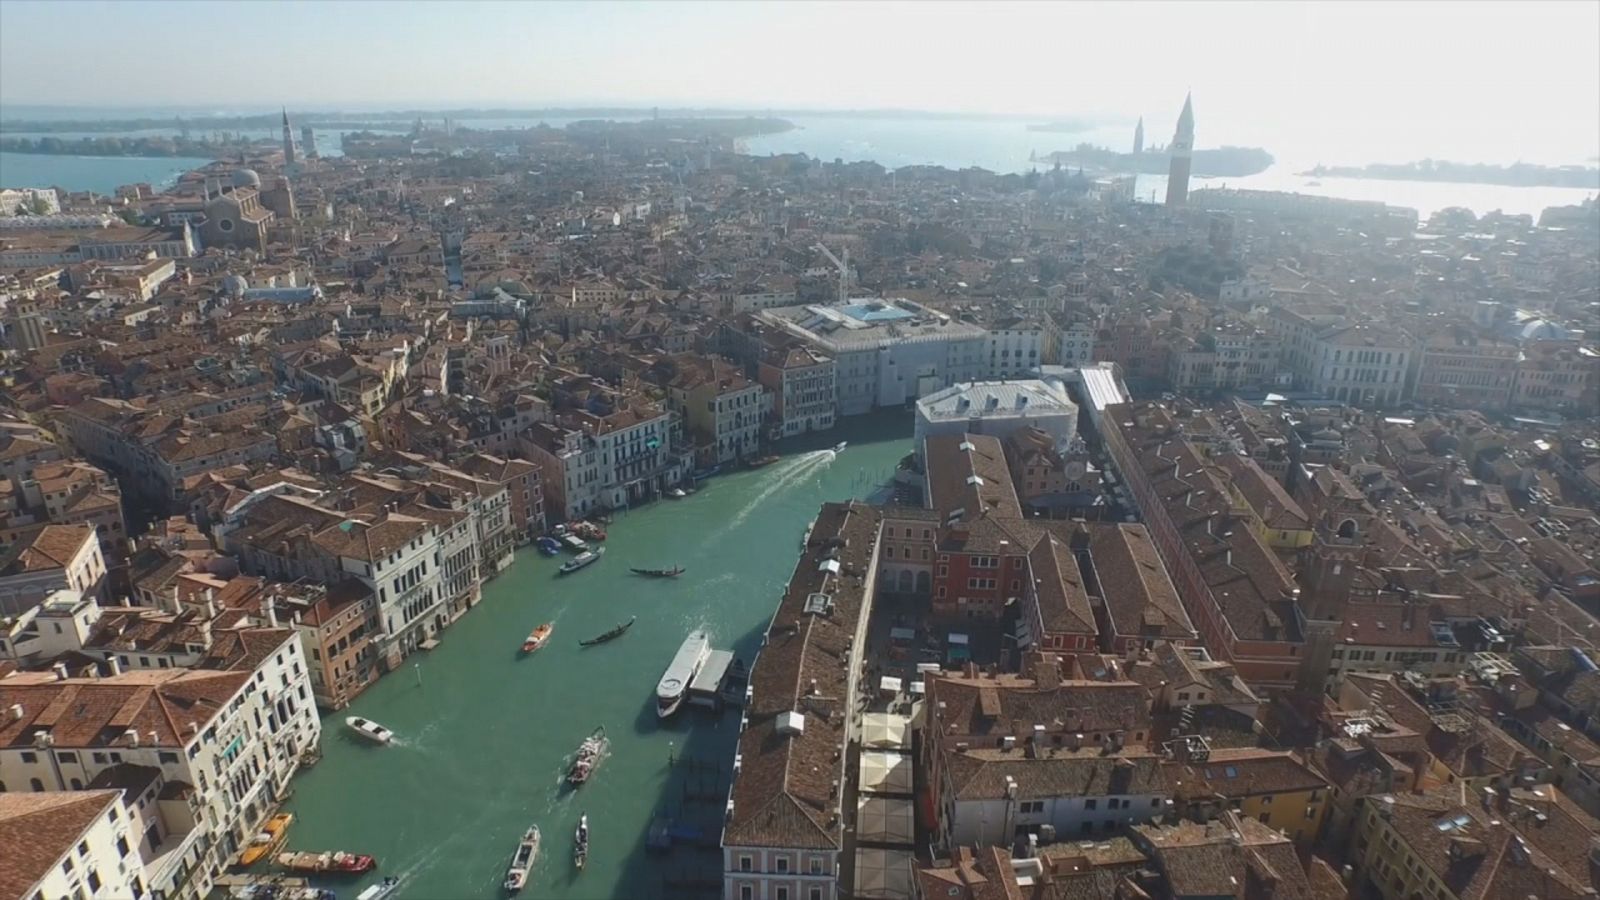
7 108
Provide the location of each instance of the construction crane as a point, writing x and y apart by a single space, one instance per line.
844 270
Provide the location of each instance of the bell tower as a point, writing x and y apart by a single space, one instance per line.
288 140
1182 147
1328 570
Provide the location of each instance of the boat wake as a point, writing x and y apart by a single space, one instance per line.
783 479
421 863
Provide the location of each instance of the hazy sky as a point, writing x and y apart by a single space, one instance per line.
1522 78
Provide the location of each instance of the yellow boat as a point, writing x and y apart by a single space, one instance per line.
272 836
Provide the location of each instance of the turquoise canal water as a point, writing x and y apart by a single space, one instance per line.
485 736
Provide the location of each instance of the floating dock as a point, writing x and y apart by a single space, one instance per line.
707 687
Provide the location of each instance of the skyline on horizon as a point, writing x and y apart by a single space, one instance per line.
1343 80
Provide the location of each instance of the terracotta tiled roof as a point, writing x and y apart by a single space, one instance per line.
1063 602
36 830
787 793
160 705
51 547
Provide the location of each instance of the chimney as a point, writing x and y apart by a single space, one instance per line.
269 610
114 665
16 712
60 669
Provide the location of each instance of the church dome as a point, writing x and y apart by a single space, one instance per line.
234 285
246 178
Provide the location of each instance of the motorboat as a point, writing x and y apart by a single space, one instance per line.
707 472
547 545
685 665
767 460
331 862
574 543
538 637
580 843
383 890
589 531
677 493
613 634
839 447
369 729
586 558
673 572
267 840
522 862
587 759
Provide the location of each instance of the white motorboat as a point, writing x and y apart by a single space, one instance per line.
522 862
574 543
586 558
369 729
839 447
674 684
383 890
677 493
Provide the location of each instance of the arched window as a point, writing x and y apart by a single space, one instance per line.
36 784
1347 529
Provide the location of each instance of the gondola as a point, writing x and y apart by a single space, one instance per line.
611 635
673 572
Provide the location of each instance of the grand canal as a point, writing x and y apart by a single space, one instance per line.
485 735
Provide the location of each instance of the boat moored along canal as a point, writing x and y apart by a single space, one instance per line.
268 840
331 862
685 665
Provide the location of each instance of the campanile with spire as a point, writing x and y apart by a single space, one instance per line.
288 139
1182 147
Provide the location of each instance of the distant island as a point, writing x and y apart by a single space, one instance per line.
1065 126
1220 162
150 146
1516 175
404 119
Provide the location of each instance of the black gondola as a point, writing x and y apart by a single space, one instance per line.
611 635
673 572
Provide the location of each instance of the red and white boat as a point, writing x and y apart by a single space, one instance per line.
332 862
538 638
588 757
